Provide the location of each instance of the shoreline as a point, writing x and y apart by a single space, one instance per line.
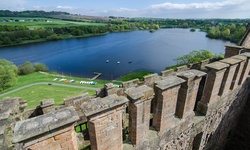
45 40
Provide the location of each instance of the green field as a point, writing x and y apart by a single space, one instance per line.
38 77
42 22
34 94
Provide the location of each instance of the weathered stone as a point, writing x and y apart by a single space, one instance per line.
140 93
169 82
139 112
188 92
35 126
47 102
97 105
229 75
231 61
149 80
169 72
166 101
191 74
217 65
131 83
213 84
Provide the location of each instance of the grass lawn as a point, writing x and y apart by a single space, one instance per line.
38 77
78 128
41 23
34 94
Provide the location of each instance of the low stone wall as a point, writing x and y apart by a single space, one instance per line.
50 131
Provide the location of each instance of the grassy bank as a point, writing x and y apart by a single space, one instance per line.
134 75
34 94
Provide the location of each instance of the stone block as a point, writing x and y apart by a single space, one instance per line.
169 72
140 93
169 82
42 124
131 83
47 103
149 80
97 105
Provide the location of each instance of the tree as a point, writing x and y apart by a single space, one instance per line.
26 68
8 73
226 33
41 67
195 56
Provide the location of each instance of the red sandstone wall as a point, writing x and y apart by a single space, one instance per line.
61 141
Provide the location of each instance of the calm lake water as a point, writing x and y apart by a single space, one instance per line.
144 51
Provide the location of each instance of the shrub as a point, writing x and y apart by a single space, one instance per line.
41 67
26 68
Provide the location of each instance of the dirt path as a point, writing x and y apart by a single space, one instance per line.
47 83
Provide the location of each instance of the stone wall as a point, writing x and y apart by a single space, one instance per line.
196 107
181 117
53 130
10 112
105 123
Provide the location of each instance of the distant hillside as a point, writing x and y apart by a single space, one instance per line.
51 14
30 13
80 17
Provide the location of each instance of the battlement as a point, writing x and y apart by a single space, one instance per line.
160 108
194 107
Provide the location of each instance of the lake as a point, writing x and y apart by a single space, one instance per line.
135 50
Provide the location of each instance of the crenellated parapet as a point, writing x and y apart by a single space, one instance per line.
105 118
139 112
166 94
188 92
193 107
179 109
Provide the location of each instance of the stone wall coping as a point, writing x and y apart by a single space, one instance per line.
234 46
97 105
138 92
169 82
134 80
191 74
217 65
77 97
247 54
230 61
29 128
150 75
47 102
240 57
109 86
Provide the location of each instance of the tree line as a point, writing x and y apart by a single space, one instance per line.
230 32
12 35
30 13
9 71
